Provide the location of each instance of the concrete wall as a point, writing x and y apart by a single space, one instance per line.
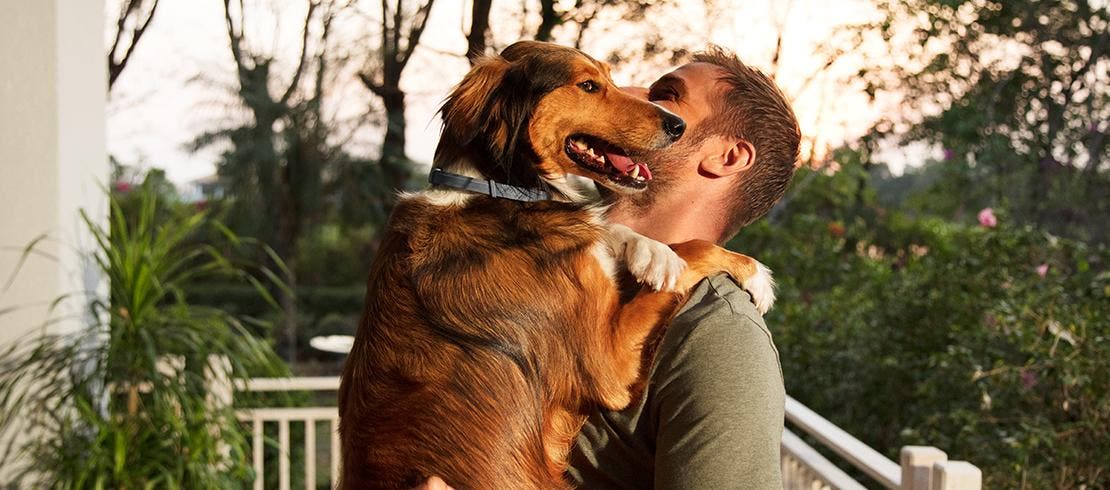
53 84
53 162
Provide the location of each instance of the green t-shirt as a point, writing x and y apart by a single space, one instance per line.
712 414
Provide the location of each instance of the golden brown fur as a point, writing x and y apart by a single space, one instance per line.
490 326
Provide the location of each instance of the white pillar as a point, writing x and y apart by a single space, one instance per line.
53 161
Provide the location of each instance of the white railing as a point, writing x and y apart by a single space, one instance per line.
308 417
803 467
922 467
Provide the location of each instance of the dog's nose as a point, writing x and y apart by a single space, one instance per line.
673 125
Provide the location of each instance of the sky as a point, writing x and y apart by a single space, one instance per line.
179 82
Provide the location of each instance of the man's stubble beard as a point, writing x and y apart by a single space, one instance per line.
665 165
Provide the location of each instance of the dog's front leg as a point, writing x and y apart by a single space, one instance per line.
631 323
649 261
627 326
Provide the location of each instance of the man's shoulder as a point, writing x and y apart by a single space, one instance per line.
718 307
719 331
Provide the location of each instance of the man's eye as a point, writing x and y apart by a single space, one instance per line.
589 86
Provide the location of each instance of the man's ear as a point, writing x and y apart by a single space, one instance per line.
727 157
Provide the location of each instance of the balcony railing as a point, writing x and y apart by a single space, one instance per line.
803 467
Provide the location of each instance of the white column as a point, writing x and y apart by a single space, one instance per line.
53 162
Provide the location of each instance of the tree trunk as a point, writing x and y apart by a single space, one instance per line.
394 161
479 29
549 19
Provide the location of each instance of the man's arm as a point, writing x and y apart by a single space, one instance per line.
719 402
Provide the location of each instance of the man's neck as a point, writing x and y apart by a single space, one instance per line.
673 220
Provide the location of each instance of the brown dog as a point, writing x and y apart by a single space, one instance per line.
493 325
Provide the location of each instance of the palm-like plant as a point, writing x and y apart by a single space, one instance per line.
126 403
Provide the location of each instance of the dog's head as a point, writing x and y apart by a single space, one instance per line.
540 111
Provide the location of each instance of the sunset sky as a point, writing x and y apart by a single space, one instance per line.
178 83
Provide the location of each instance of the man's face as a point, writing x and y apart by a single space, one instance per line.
690 91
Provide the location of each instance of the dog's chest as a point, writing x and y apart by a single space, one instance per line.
483 231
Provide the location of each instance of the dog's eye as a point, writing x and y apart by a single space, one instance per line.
589 86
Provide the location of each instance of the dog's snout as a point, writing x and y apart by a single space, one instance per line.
673 125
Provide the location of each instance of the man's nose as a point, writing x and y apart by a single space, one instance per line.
637 92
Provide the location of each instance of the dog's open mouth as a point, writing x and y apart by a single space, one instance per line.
607 159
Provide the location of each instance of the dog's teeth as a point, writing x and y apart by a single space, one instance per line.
579 144
635 172
590 151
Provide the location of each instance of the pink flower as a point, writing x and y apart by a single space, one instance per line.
949 154
1028 379
987 218
1042 270
122 187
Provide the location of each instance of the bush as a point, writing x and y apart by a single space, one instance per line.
990 343
124 403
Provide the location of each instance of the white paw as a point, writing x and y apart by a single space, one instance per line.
653 263
762 288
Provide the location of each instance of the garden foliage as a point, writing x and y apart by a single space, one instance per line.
126 402
986 339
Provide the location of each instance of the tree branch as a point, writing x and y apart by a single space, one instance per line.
116 68
121 26
235 38
374 87
419 23
479 29
304 52
780 25
549 18
397 18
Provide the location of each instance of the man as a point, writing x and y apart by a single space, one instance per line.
712 412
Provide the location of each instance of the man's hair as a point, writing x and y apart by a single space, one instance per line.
755 110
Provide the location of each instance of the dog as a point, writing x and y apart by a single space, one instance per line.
493 321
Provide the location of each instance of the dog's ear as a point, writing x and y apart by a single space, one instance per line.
493 103
466 111
529 78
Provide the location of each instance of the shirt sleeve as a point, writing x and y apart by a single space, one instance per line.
719 404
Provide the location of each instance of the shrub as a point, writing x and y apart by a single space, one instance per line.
990 343
124 403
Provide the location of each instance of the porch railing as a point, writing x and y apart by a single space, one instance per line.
284 417
921 468
803 467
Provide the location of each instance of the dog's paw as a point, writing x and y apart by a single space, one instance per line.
653 263
762 288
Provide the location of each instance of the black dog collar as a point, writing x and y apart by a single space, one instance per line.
487 187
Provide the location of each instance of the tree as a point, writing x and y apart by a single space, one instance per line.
134 18
400 34
1015 93
582 13
275 164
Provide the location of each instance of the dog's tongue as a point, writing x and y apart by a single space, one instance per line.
621 162
625 164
